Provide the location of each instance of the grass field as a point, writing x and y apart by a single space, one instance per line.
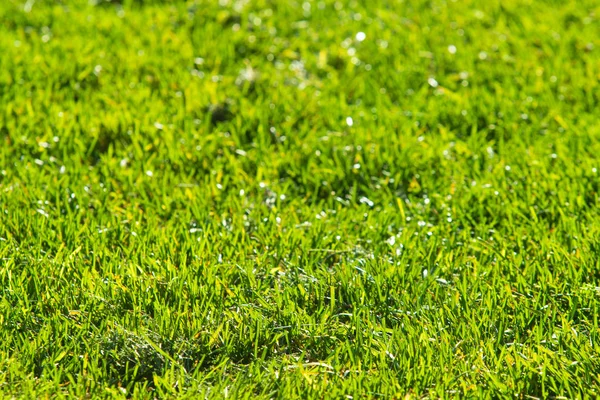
287 199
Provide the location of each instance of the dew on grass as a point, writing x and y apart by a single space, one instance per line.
349 121
38 162
149 173
43 212
432 82
247 74
365 200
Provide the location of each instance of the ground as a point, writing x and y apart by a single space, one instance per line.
287 199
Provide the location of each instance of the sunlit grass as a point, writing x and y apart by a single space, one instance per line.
275 199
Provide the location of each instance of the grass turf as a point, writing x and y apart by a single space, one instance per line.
286 199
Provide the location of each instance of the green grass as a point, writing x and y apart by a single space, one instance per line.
250 199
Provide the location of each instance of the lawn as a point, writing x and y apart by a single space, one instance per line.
286 199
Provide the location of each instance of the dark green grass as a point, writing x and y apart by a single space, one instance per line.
247 200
